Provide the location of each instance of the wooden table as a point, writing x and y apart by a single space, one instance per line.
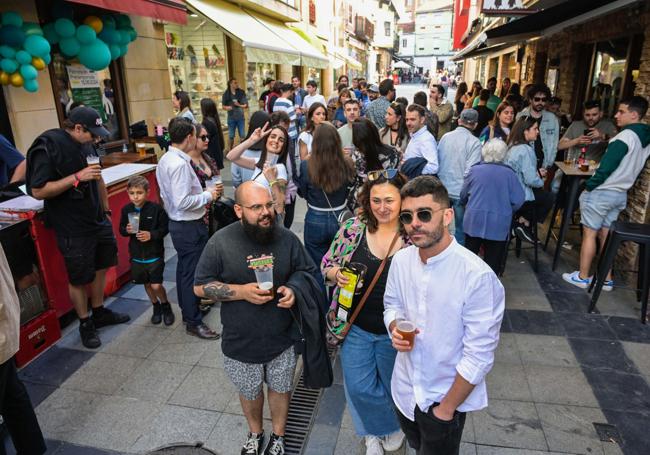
571 177
113 159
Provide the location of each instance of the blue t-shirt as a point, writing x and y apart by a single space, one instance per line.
9 159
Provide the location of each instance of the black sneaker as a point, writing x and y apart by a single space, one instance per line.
88 333
253 444
525 233
106 317
168 314
275 446
156 317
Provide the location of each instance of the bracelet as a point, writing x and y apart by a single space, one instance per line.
273 182
76 180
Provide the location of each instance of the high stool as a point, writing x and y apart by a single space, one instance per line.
518 242
624 232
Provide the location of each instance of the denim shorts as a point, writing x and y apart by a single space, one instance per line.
600 208
236 125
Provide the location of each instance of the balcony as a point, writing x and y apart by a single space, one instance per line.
364 29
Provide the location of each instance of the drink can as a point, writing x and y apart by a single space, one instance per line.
346 293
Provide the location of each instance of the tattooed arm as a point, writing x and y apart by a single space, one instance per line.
222 292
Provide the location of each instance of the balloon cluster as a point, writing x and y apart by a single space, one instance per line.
95 42
23 51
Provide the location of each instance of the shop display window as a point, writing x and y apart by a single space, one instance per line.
608 74
256 73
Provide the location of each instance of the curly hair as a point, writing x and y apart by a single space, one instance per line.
363 199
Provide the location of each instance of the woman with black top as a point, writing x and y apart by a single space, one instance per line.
324 182
212 125
461 98
395 132
367 356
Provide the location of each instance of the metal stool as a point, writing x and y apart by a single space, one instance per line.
518 247
624 232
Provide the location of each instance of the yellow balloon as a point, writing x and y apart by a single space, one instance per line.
4 78
95 23
38 63
16 80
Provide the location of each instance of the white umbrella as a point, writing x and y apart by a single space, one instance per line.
401 64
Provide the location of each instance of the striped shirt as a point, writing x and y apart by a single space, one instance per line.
286 105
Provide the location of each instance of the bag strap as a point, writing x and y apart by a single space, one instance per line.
371 286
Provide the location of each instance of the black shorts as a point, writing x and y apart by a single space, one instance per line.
147 273
83 256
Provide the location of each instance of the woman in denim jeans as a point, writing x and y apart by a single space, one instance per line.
367 356
325 180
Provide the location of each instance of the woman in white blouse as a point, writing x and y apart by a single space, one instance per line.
316 115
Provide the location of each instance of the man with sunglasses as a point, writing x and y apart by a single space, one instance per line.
76 207
457 303
549 126
257 339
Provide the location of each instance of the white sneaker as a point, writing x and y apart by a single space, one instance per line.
393 441
608 285
574 279
373 446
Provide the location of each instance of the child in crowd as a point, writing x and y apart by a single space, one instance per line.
146 224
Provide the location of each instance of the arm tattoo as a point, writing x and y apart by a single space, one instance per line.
218 291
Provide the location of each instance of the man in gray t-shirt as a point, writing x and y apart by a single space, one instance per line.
598 130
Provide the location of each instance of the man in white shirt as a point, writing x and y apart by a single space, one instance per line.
422 144
352 112
457 303
312 97
185 200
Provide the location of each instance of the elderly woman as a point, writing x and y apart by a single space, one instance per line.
491 194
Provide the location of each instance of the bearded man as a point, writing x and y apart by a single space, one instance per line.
246 266
456 303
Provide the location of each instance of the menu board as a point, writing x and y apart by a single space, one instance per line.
85 88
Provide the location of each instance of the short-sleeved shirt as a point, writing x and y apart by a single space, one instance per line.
306 138
9 159
345 132
252 333
236 113
596 149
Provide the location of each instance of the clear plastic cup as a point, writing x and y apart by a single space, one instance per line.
92 160
407 330
134 221
264 277
212 182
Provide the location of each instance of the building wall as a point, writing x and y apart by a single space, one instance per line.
407 45
433 32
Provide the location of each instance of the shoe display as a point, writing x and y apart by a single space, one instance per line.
574 279
105 317
88 333
393 441
253 444
156 317
373 445
275 446
168 314
202 331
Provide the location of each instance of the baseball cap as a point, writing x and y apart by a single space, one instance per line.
373 88
469 116
90 119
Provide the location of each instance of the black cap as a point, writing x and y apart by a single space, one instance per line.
90 119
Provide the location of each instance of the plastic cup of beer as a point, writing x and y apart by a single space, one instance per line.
134 221
142 148
211 183
92 160
264 277
407 330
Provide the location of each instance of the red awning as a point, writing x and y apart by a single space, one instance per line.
168 10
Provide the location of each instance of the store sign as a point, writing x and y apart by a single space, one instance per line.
85 88
503 8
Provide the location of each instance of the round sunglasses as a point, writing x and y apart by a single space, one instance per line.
424 215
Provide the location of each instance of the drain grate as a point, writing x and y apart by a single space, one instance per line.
608 433
302 407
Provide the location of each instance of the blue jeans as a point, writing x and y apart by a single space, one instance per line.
459 213
367 361
320 229
236 124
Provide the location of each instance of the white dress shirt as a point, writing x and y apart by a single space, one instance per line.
180 188
457 302
423 145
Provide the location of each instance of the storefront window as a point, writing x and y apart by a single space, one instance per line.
196 56
256 73
608 74
313 74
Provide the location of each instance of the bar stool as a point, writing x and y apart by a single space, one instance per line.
624 232
518 247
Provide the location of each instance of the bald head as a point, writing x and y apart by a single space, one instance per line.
250 190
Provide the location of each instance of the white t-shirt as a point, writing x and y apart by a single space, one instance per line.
282 175
307 139
311 99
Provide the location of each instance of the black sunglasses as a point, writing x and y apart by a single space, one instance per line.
388 174
424 215
538 99
204 137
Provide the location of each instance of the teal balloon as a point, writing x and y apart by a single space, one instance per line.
47 59
8 65
32 28
64 28
62 9
69 46
109 21
7 52
31 85
95 56
50 33
12 35
125 37
123 21
124 48
133 34
110 36
12 18
37 45
23 57
28 72
85 34
115 51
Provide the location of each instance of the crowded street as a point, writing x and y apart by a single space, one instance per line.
324 227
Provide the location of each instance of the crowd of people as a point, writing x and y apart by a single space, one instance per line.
406 204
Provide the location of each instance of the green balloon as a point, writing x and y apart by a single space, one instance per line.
50 33
124 49
12 18
31 85
32 28
133 34
7 51
64 28
69 46
125 37
115 51
85 34
95 56
123 21
28 72
37 45
8 65
110 36
109 21
12 35
23 57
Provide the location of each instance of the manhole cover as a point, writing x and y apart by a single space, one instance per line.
183 449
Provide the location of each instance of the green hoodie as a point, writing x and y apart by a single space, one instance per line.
616 151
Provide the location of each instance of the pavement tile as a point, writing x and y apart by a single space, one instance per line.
346 420
38 392
179 347
507 350
154 381
54 366
567 302
233 405
602 354
509 424
545 350
204 388
492 450
134 308
74 449
348 443
585 325
559 385
621 303
145 318
640 354
523 299
535 322
571 429
619 391
104 373
633 427
175 424
469 435
72 340
628 329
137 292
508 382
230 432
138 341
212 357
